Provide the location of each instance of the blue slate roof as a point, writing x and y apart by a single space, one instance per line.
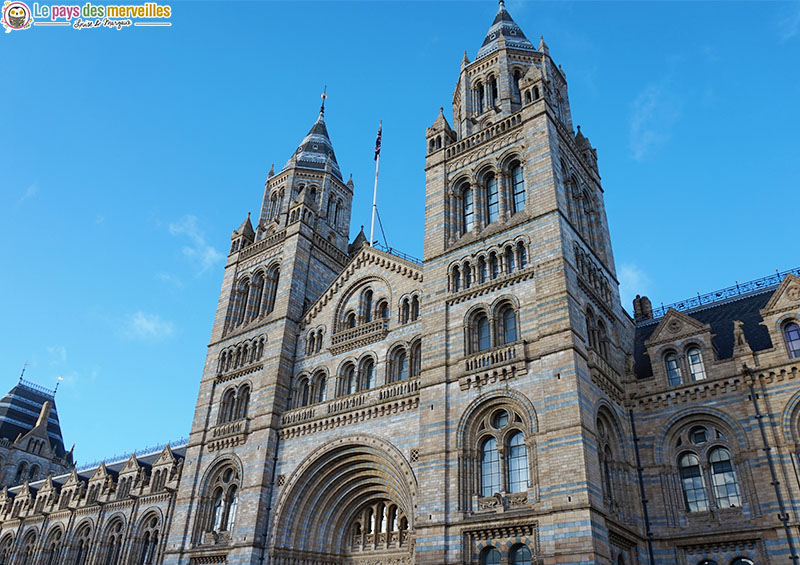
504 25
20 409
720 317
316 149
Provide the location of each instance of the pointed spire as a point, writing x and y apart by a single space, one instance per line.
350 183
323 96
271 172
465 61
543 48
505 28
316 148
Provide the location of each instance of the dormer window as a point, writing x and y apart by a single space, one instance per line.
791 332
673 366
696 368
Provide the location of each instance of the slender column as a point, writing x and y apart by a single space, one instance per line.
502 189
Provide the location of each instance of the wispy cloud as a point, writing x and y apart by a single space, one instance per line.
199 251
789 27
142 325
29 193
632 281
170 279
654 111
58 354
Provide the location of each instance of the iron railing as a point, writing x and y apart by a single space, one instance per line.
397 253
730 292
125 456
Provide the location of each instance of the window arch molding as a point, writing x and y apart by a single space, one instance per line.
367 361
28 547
80 542
148 537
616 471
319 385
344 385
664 439
213 479
350 299
790 336
505 313
53 545
398 362
790 420
475 427
478 324
301 395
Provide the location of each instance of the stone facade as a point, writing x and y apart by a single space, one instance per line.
493 403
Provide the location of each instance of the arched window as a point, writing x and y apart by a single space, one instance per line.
22 472
673 367
148 541
52 549
310 343
481 270
480 334
694 491
399 365
416 359
535 92
723 478
517 78
602 339
742 561
6 546
367 374
405 311
494 266
467 275
303 392
319 342
517 463
695 359
366 305
34 470
80 545
517 187
25 554
319 387
509 255
383 309
479 97
414 308
490 467
520 555
492 201
591 333
348 379
490 556
467 209
522 255
272 290
227 406
220 504
456 279
242 401
791 333
507 319
493 92
350 320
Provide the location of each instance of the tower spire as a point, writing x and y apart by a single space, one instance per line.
324 96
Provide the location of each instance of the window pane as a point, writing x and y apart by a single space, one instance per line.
517 462
493 206
673 369
521 555
490 556
696 364
509 326
468 212
483 333
694 492
402 366
723 477
519 188
490 468
792 332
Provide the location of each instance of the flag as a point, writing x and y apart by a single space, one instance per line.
378 142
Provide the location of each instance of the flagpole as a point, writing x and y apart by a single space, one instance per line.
375 191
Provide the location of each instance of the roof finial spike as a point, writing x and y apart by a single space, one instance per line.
502 5
324 96
24 366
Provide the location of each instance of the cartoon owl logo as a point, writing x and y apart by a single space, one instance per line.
16 16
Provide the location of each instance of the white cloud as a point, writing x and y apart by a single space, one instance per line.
200 252
655 111
170 279
30 192
632 281
58 354
142 325
790 26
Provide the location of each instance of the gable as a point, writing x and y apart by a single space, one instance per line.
675 325
785 297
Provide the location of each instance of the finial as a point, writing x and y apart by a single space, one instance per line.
271 172
324 96
58 382
24 366
441 109
502 5
248 214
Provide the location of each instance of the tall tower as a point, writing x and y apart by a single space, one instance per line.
274 271
524 335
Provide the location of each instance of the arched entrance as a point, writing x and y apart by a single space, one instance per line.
350 501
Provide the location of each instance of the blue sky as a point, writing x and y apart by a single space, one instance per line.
130 156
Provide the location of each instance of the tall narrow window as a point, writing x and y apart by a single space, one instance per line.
492 202
319 387
479 95
481 270
494 267
792 334
481 333
493 92
468 209
508 319
517 463
518 187
367 374
467 275
456 282
522 255
673 369
366 307
490 468
416 359
349 379
694 491
723 478
400 365
414 308
509 255
696 368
